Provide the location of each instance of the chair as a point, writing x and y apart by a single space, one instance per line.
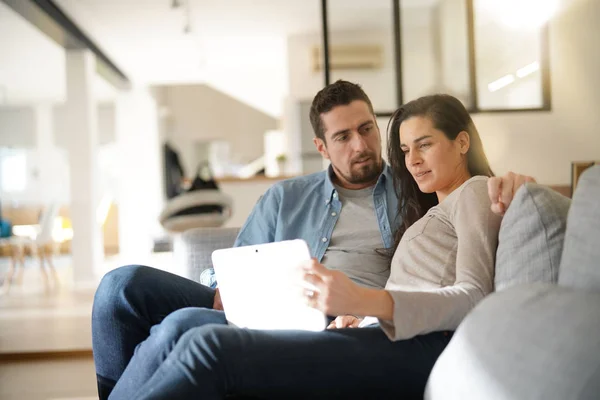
41 244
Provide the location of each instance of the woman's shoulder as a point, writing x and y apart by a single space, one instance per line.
473 195
474 187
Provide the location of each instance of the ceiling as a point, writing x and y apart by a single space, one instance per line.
32 67
231 43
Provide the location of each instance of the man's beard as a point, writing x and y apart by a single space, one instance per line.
366 173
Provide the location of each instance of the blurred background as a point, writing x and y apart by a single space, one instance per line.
111 111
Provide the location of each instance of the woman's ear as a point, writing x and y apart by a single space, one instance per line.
464 142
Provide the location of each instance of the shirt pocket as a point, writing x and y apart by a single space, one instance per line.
417 229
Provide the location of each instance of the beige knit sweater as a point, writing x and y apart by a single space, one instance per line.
444 264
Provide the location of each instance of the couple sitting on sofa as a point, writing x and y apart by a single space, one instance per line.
435 208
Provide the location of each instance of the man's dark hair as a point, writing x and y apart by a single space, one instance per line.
340 93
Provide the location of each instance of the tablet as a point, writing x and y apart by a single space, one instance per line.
261 286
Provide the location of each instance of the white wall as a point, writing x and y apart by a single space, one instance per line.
418 54
305 83
138 159
17 127
18 130
543 144
452 61
244 195
201 113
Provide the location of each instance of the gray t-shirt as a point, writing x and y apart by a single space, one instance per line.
356 239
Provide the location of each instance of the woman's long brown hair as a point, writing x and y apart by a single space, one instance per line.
449 116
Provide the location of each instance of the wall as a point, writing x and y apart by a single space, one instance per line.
452 57
378 83
17 126
138 161
47 175
543 144
245 194
201 113
305 82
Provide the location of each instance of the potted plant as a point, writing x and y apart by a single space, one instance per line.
281 160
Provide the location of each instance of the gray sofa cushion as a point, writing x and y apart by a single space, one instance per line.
580 265
195 248
531 237
533 342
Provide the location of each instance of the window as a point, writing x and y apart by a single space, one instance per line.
13 170
361 48
492 55
510 50
435 53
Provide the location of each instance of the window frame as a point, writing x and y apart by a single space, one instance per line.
474 107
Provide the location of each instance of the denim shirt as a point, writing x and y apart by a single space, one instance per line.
308 207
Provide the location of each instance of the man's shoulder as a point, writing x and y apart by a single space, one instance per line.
301 184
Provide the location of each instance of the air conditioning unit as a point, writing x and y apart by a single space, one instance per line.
349 56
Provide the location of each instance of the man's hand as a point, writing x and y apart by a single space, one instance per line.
335 293
345 321
502 190
217 305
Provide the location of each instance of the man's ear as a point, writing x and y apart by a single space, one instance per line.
321 147
464 142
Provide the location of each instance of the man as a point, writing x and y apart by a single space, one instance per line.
347 215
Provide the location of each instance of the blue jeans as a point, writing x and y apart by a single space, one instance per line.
136 304
214 361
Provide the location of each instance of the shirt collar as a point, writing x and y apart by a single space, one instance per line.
329 189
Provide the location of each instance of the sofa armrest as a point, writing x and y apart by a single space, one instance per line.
537 341
195 248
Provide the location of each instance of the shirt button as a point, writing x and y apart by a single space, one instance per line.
324 239
333 214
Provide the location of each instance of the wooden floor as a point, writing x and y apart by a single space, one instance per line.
45 342
68 377
45 338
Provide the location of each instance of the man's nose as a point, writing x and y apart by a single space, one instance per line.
359 143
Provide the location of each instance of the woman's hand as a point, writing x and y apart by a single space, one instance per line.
345 321
335 293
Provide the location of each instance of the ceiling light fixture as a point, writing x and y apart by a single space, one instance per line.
176 4
500 83
187 28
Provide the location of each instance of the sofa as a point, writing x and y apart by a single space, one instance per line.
538 335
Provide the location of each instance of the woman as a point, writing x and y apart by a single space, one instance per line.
443 266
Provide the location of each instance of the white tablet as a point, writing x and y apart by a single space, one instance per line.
261 286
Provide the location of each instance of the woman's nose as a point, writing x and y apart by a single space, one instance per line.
413 158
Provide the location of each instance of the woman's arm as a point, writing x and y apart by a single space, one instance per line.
336 294
422 311
405 314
